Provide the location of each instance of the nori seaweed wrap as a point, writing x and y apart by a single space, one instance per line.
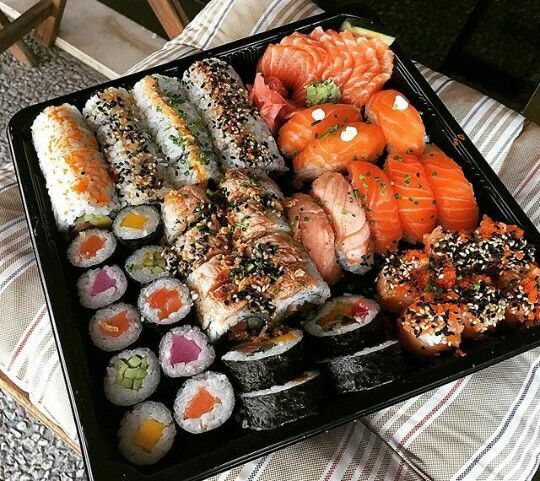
279 405
365 369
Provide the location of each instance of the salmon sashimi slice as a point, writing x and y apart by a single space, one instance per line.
311 123
400 122
357 65
337 147
456 205
377 198
313 229
354 248
416 204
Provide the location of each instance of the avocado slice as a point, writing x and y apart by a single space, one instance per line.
364 32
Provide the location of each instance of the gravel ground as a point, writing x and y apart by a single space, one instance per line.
28 450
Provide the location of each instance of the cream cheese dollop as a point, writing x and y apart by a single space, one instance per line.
400 103
348 133
318 114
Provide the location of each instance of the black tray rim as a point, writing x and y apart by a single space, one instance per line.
517 343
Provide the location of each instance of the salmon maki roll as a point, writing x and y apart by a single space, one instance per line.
397 286
456 204
354 248
522 288
311 123
416 203
337 147
313 229
377 198
428 329
400 122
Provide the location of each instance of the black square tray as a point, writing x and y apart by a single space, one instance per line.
196 457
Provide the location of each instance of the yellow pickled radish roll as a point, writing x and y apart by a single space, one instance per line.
137 225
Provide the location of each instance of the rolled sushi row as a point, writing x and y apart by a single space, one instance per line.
349 343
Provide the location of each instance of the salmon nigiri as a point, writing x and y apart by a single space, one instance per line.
311 123
456 204
416 203
400 122
354 248
313 229
338 146
377 198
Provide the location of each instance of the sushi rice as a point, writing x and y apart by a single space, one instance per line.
108 329
185 351
91 247
132 376
77 180
101 287
146 433
177 128
218 396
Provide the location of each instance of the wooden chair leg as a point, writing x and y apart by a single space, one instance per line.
19 50
47 31
171 16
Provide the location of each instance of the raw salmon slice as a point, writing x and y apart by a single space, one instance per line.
456 204
400 122
313 229
416 204
377 198
354 248
338 146
311 123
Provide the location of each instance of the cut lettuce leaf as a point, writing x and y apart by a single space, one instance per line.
364 32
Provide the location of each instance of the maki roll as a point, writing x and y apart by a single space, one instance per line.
147 264
101 287
365 369
177 128
137 225
146 433
238 131
185 351
165 301
344 325
522 289
283 404
91 248
204 402
242 185
429 328
183 208
269 359
397 286
115 327
132 376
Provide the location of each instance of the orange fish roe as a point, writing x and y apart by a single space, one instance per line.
202 403
116 325
165 301
91 244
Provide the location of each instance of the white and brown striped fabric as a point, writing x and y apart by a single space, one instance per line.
485 426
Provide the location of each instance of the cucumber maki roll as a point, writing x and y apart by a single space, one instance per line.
147 264
91 248
344 325
283 404
115 327
204 402
101 287
365 369
135 226
132 376
269 359
146 433
165 301
185 351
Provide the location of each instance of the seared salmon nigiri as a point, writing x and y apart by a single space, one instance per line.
313 229
353 244
400 122
311 123
377 198
456 204
338 146
416 203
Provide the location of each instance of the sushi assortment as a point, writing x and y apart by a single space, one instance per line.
201 266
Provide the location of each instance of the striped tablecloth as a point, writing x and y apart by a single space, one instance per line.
485 426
